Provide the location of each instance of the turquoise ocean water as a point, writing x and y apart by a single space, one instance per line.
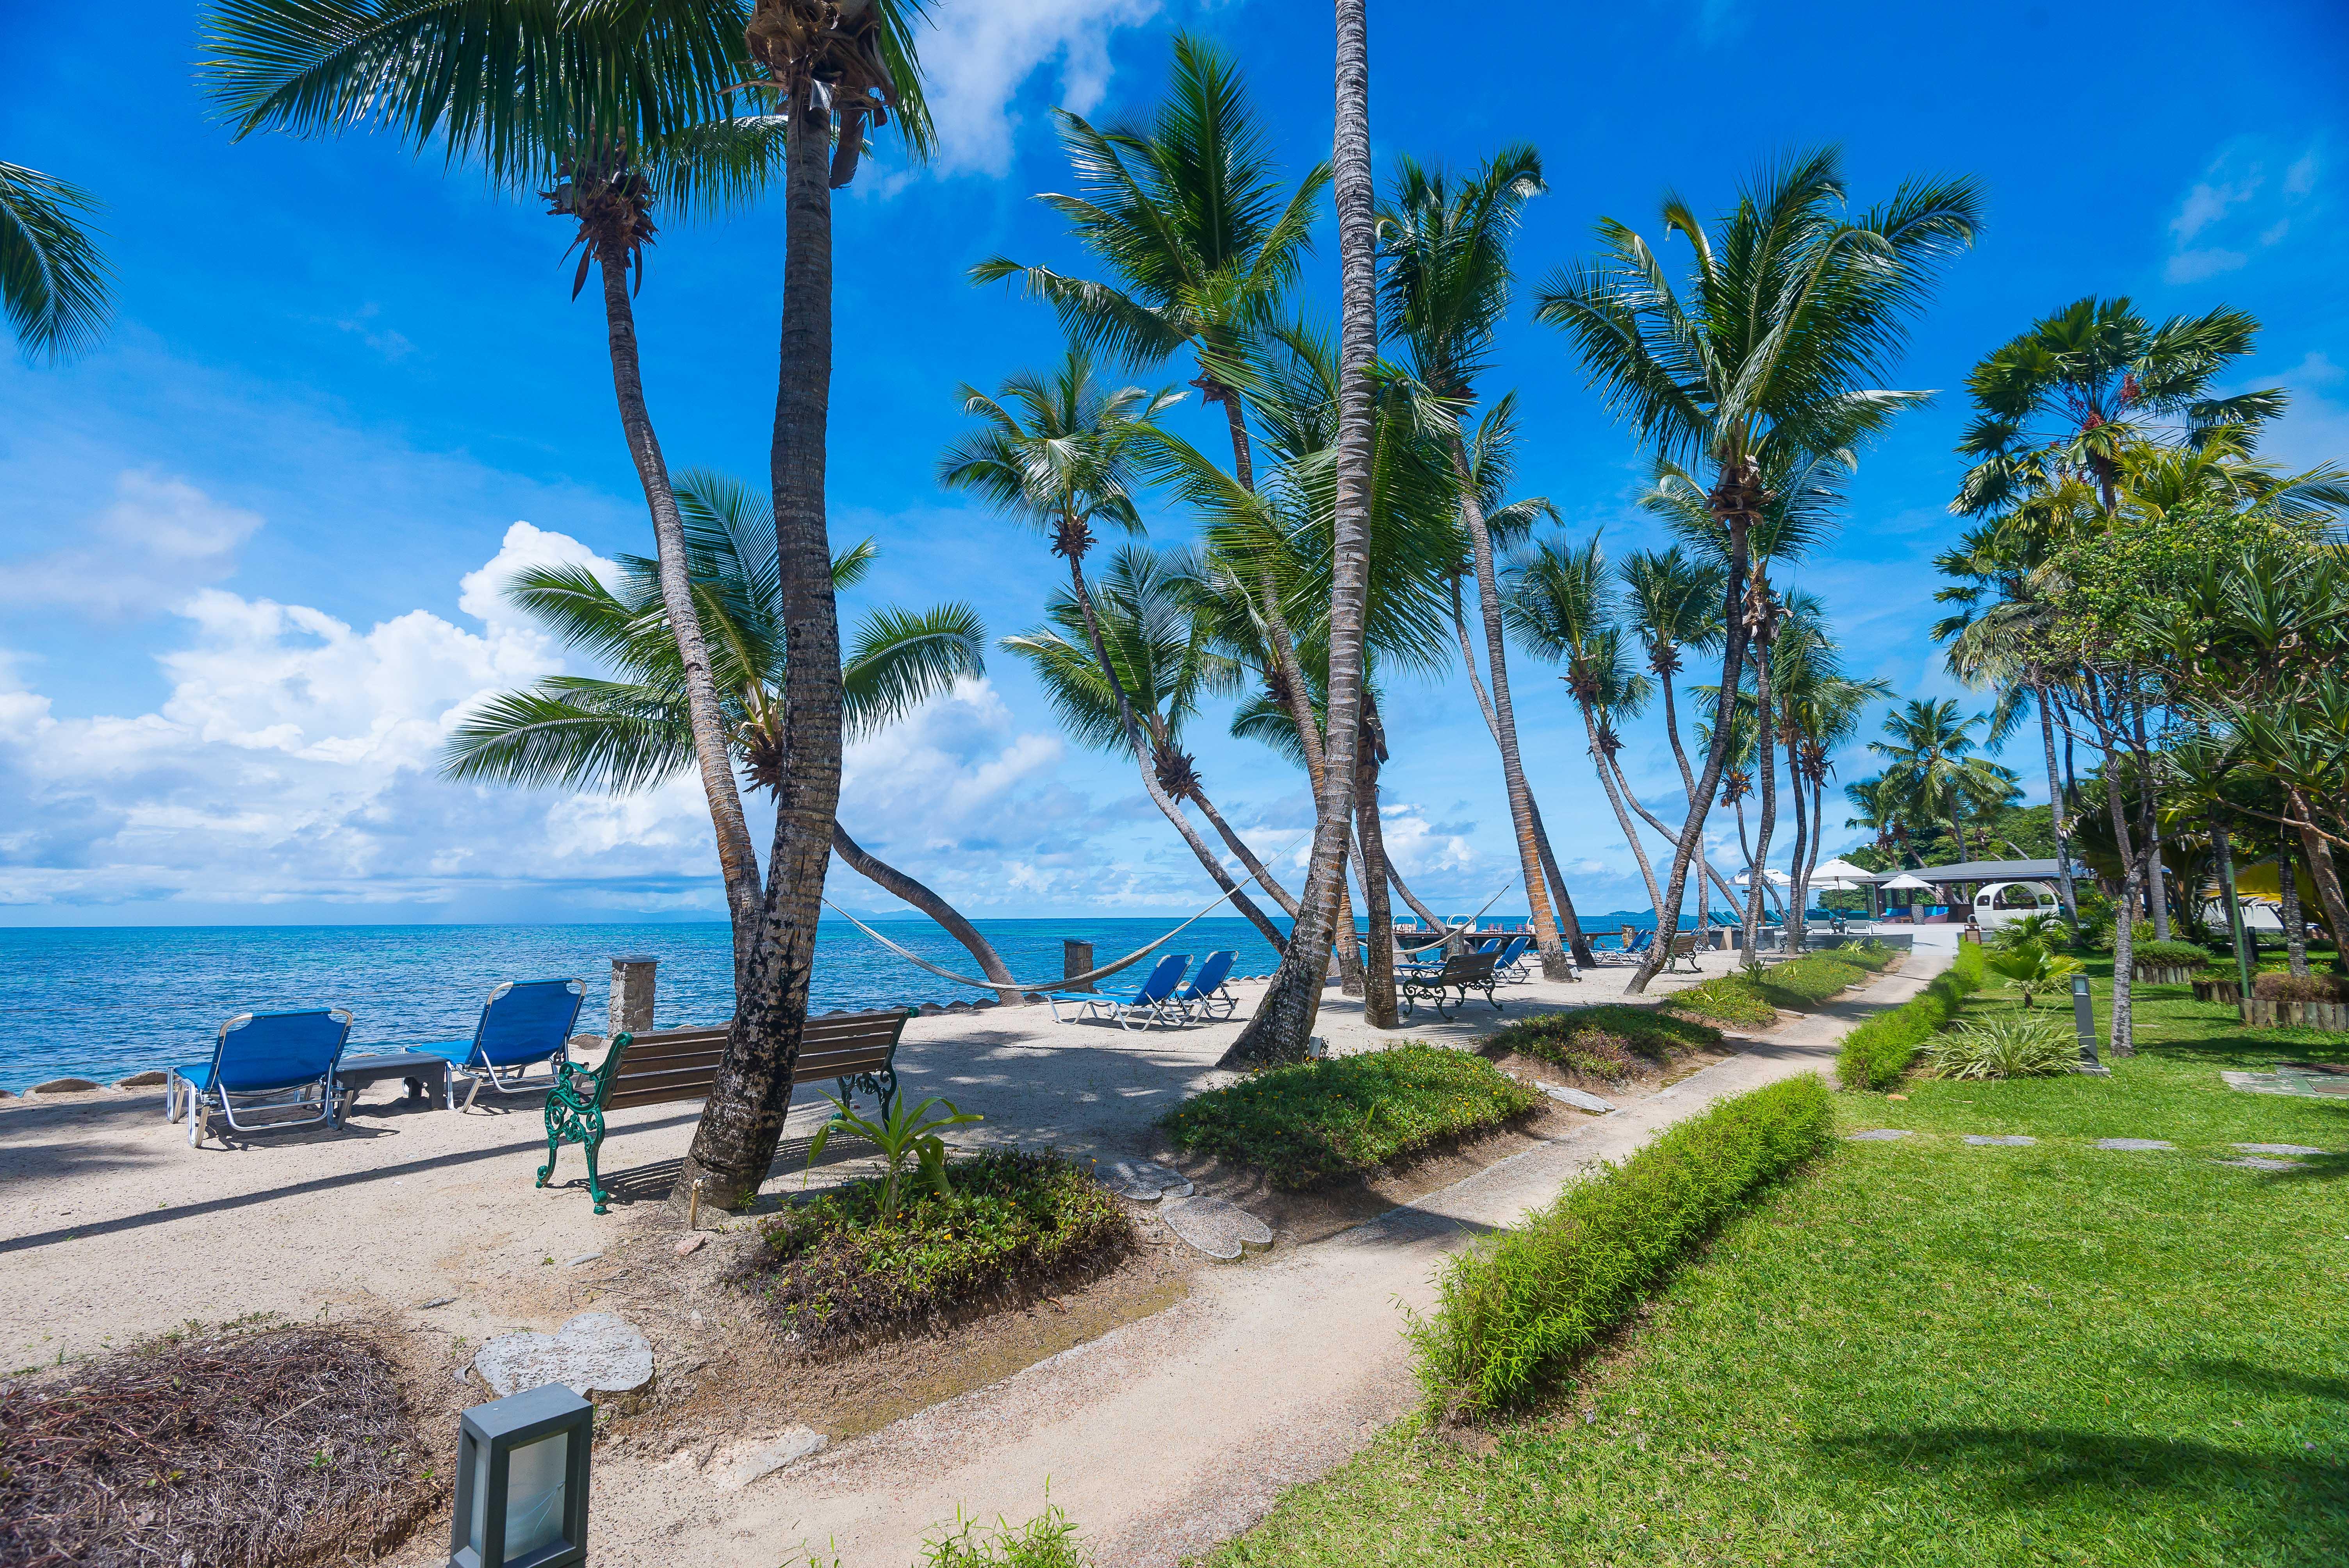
103 1002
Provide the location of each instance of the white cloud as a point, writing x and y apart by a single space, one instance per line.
2193 267
2300 178
2235 205
2206 203
160 539
979 55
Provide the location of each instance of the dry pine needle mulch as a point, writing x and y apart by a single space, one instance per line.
258 1447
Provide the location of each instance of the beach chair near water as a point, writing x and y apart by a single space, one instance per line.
258 1056
1206 991
523 1025
1509 964
1153 1001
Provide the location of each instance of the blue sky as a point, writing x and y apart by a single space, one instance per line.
249 550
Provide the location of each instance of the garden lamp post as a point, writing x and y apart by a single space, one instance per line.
522 1481
2083 1018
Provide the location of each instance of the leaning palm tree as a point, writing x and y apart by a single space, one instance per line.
1445 243
1059 452
1792 315
1283 1021
53 279
630 734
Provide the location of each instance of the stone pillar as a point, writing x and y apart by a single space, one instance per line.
1077 958
632 995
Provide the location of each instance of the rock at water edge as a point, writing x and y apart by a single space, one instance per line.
734 1468
1221 1229
596 1353
63 1086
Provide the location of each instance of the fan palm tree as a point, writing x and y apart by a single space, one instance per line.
1929 755
1059 452
630 734
1282 1024
2072 394
55 286
1445 245
1771 361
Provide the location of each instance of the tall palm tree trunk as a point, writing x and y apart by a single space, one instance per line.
1378 972
738 857
743 1119
2222 841
895 881
1570 923
1732 509
1345 943
1555 964
2321 869
2057 806
1247 857
1765 781
1797 892
1702 864
2295 931
1602 764
2122 1041
1157 793
2157 881
1283 1020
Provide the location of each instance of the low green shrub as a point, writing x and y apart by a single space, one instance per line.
1810 979
2274 987
1878 1051
1866 952
2004 1046
1511 1311
835 1268
1047 1541
1754 996
1315 1121
1612 1041
2171 955
1732 998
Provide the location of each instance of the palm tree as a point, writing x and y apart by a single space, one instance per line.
631 734
1446 245
1059 452
1930 763
1770 364
2071 395
1187 214
1560 604
1818 711
1160 664
53 279
1283 1020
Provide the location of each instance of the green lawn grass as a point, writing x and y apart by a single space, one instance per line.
1739 996
1611 1040
1933 1353
1316 1121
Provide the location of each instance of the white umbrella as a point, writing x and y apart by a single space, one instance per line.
1841 870
1834 884
1905 881
1777 877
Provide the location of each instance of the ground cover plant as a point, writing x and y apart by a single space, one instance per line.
1047 1541
1942 1355
253 1446
2025 1045
1337 1117
1879 1050
2173 955
1867 954
837 1269
1754 997
1610 1041
1512 1313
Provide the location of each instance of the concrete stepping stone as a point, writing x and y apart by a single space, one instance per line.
1580 1098
733 1467
596 1353
1876 1135
1143 1180
2257 1163
2008 1141
2280 1149
2135 1145
1221 1229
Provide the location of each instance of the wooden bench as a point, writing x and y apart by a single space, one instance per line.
1683 947
1463 972
855 1051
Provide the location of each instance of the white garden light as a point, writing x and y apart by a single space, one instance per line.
522 1481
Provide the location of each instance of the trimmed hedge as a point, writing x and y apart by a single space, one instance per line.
1513 1311
1609 1041
1878 1051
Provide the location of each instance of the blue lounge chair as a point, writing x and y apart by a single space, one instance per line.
1205 992
523 1026
1151 1001
1511 964
272 1054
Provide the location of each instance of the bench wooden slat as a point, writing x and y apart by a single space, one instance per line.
669 1065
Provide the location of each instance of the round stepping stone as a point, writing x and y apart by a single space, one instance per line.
2254 1162
1876 1135
2009 1141
1143 1180
2280 1149
596 1353
2135 1145
1220 1229
734 1468
1578 1098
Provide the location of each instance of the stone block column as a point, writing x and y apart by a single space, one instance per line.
632 995
1077 958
